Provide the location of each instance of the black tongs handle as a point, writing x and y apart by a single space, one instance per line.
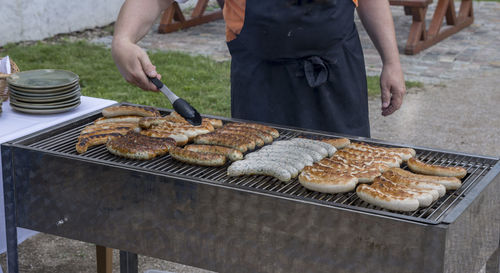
180 106
156 82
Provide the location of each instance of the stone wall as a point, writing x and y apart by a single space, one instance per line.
22 20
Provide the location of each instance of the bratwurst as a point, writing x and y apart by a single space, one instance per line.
423 168
130 110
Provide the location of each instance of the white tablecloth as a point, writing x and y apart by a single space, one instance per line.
15 124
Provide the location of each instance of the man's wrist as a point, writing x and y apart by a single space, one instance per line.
121 39
391 60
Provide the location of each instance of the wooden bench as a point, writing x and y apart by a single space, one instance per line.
420 37
173 19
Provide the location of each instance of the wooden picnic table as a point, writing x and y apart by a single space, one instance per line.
420 37
173 19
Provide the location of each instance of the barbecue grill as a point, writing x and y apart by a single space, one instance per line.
201 217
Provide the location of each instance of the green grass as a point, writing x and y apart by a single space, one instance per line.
200 80
374 85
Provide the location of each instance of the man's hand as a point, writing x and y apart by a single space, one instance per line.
134 64
377 19
134 21
392 87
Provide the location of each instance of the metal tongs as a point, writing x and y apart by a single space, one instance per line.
180 106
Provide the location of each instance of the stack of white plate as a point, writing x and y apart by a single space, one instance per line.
44 91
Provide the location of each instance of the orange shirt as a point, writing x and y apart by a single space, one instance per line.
234 15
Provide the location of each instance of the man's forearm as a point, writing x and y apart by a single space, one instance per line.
377 19
136 18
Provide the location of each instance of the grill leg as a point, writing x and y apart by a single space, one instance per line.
10 212
11 233
493 263
128 262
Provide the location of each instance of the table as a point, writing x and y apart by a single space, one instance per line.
15 124
173 19
420 36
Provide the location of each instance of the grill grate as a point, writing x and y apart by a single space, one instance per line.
64 142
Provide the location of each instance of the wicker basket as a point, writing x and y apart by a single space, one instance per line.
4 90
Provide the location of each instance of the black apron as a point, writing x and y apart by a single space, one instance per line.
300 63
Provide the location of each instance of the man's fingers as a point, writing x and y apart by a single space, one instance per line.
147 66
148 70
396 102
385 96
397 98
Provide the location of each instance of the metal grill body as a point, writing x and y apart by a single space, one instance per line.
198 216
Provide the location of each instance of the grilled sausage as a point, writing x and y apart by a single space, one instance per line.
130 110
222 140
164 122
414 183
244 167
216 123
206 126
261 127
288 150
363 175
282 164
259 142
176 117
106 126
423 168
93 140
180 138
191 133
147 122
230 153
433 192
249 142
121 131
374 153
291 145
424 197
328 147
297 164
338 164
338 143
390 162
310 146
404 153
360 163
330 183
450 183
137 146
281 154
390 189
259 137
197 158
387 200
268 138
121 119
